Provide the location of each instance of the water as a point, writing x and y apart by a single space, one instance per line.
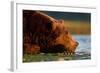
83 50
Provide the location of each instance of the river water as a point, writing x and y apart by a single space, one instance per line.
83 50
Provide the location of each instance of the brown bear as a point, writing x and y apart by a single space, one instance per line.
43 33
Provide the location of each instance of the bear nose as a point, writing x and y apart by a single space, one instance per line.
77 44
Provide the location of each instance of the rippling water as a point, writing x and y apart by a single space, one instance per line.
83 50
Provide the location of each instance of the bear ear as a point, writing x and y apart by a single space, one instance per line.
61 21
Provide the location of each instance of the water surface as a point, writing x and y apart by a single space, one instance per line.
83 50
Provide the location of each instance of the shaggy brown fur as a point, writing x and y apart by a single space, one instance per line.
42 33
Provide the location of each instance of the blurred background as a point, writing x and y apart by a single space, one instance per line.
77 23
